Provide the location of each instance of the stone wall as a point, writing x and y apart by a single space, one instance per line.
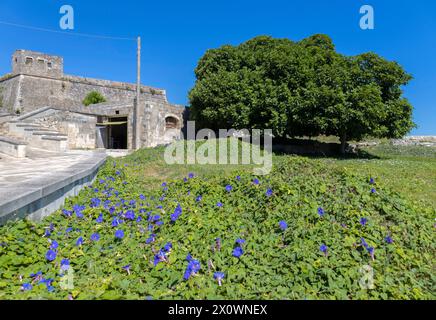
28 92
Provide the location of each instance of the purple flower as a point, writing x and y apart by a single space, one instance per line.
323 248
164 184
192 269
237 252
65 264
219 276
238 178
127 268
371 180
364 243
177 213
119 234
363 221
115 222
167 247
240 241
256 181
79 241
283 225
130 215
188 257
95 237
26 287
100 218
229 188
372 190
95 202
320 211
371 252
160 257
268 192
190 175
389 240
54 244
50 255
117 173
142 197
219 204
150 239
67 213
198 199
218 243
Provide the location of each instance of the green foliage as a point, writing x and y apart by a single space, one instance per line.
300 88
93 97
276 264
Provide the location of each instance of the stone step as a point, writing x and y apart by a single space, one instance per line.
54 138
12 147
49 133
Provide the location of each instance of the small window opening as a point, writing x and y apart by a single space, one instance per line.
170 123
29 60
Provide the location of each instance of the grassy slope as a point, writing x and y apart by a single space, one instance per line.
275 265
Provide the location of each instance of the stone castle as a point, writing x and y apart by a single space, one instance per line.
42 107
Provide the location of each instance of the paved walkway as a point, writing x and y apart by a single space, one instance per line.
24 181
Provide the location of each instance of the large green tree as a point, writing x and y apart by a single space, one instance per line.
300 88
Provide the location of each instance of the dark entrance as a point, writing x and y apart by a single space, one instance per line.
117 136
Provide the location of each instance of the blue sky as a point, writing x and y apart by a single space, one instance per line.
175 34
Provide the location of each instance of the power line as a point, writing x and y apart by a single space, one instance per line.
65 32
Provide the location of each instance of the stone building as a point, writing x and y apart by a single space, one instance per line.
40 104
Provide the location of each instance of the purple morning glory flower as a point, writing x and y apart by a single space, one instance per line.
26 287
238 178
371 180
323 248
65 264
79 241
119 234
321 211
177 213
256 181
117 173
67 213
268 192
237 252
100 218
150 239
219 204
130 215
50 255
95 202
229 188
240 241
364 243
164 184
160 257
372 190
389 240
142 197
190 175
192 269
198 199
95 237
54 244
219 276
363 221
167 247
283 225
188 257
371 252
218 243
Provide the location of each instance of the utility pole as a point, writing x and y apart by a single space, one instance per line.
138 94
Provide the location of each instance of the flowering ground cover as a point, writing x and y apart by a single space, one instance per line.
312 229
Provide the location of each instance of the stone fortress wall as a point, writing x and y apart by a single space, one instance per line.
38 89
37 80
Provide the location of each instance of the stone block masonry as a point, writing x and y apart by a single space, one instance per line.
37 80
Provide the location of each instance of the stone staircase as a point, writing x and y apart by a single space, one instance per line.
16 133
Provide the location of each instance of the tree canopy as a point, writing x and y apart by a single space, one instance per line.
302 88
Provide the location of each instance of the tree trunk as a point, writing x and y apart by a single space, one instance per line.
343 140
